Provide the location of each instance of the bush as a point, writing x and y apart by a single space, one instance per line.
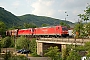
18 58
7 56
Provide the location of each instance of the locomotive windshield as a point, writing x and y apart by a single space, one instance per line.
64 29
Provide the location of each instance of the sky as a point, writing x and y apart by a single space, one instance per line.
58 9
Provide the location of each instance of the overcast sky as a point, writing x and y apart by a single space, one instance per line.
51 8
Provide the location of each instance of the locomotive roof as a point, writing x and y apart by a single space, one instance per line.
48 26
25 29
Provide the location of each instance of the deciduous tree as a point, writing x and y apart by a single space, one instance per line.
44 25
6 42
33 46
79 29
29 25
2 28
86 15
22 42
64 24
52 52
73 55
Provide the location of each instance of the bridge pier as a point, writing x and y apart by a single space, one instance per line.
40 48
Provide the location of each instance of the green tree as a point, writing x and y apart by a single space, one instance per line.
65 51
79 28
73 55
12 41
0 46
29 25
22 42
44 25
83 17
87 48
86 15
15 27
64 24
2 28
64 54
6 42
87 29
33 46
79 48
52 52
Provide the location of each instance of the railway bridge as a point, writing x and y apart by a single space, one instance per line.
45 43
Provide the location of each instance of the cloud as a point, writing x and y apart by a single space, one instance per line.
43 7
51 8
16 4
1 5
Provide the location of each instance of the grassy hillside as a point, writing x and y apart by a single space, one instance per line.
39 20
11 20
8 18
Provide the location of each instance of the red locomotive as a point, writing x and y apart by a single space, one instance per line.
42 31
51 31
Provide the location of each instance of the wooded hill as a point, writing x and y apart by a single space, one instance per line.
11 20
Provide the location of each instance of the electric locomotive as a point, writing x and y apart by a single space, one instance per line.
50 31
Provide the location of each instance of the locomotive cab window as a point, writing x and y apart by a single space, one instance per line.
64 28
